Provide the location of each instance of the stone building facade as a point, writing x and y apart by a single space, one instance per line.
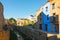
4 32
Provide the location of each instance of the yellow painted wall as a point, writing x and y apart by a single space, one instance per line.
26 22
23 22
56 10
20 22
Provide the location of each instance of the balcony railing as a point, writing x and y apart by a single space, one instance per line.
54 19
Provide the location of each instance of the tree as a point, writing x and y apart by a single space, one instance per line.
12 21
32 22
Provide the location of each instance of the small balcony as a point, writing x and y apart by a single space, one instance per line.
40 21
54 20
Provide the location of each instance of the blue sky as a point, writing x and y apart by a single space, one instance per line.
21 8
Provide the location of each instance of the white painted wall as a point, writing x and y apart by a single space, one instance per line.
32 18
44 8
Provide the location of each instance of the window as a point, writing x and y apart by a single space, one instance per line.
40 17
46 9
46 26
54 17
57 18
57 28
53 6
47 17
53 14
41 26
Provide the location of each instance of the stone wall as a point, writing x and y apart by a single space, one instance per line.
4 33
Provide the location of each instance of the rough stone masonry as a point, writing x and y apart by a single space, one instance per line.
4 35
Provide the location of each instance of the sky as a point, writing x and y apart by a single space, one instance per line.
21 8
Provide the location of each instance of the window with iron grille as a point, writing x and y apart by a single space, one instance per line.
47 17
46 9
54 17
40 26
46 26
57 28
53 6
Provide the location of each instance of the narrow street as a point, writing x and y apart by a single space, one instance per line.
19 37
20 34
